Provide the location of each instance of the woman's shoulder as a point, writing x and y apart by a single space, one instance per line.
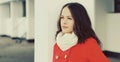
88 44
91 41
91 45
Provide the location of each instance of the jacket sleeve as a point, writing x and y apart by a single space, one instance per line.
95 53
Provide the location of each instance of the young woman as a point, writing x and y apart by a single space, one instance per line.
75 39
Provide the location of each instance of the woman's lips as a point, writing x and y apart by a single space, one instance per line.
64 27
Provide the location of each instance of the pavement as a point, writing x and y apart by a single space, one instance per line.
10 51
112 59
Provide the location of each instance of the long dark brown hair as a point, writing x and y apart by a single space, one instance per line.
82 27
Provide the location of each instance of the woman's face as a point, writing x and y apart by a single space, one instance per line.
67 21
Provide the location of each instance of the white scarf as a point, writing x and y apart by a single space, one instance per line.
66 41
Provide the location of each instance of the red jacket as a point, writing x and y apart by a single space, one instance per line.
86 52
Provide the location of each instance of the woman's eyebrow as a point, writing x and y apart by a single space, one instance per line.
61 15
69 16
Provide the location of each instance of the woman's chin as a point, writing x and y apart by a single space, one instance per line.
66 32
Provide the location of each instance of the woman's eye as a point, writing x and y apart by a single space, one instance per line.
61 17
70 18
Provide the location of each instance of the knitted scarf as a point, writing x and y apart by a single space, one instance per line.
66 41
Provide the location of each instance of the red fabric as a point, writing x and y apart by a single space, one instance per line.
86 52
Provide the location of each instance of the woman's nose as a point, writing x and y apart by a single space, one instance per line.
65 21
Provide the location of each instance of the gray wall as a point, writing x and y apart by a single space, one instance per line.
100 21
106 24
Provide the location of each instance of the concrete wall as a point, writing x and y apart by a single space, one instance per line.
30 18
113 32
106 25
4 14
15 15
100 21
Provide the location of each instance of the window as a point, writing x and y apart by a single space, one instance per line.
117 6
24 8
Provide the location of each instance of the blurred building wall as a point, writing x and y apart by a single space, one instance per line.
107 25
12 21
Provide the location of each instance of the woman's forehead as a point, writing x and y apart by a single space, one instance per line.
66 12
